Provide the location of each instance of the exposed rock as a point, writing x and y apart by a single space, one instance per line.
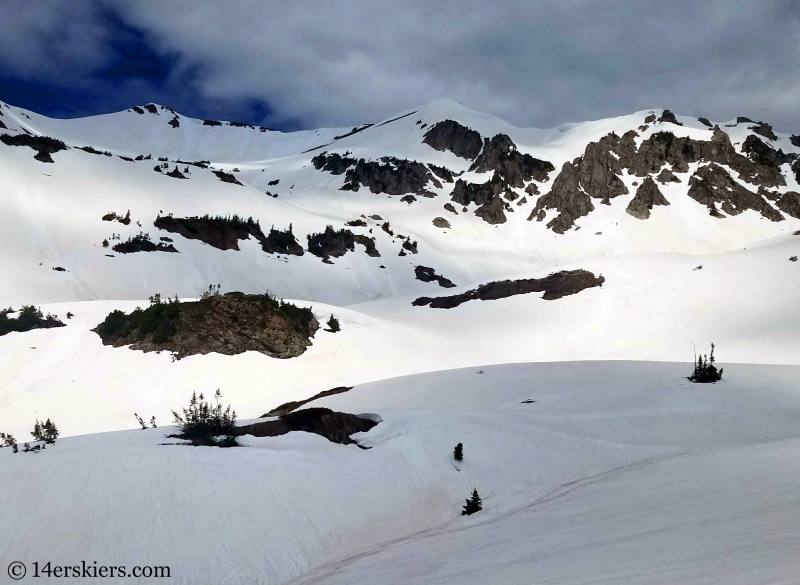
43 145
554 286
226 177
176 174
650 119
668 116
356 223
765 130
532 189
443 173
667 176
522 201
410 246
142 243
427 194
742 120
567 197
712 184
426 274
479 193
492 212
151 108
647 195
705 121
288 407
138 110
441 222
175 123
763 154
510 195
334 163
355 130
334 426
228 324
795 140
224 233
789 203
449 207
211 123
599 170
389 175
500 154
376 217
331 242
408 199
368 243
452 136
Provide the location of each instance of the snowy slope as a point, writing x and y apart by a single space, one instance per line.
618 471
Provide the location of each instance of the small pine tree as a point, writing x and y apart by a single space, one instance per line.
474 504
36 433
50 432
333 324
153 422
458 452
705 371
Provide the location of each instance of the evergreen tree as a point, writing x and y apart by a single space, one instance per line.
50 432
36 433
474 504
333 324
140 421
704 370
458 452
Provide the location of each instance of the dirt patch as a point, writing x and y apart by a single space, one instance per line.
554 286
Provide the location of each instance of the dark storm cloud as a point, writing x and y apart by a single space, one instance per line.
328 63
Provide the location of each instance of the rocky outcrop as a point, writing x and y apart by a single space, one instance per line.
389 175
712 185
765 130
599 170
500 154
43 145
763 154
789 203
492 212
554 286
142 243
288 407
443 173
227 177
795 140
224 233
334 426
451 136
667 176
647 195
331 243
706 122
426 274
479 193
369 245
441 222
668 116
567 197
228 324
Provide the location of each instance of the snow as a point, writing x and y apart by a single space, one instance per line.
619 471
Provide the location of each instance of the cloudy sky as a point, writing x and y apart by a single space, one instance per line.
311 63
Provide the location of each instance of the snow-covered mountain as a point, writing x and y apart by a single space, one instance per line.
672 231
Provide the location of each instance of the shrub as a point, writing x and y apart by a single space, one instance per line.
705 371
333 324
29 318
8 441
201 422
458 452
474 504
